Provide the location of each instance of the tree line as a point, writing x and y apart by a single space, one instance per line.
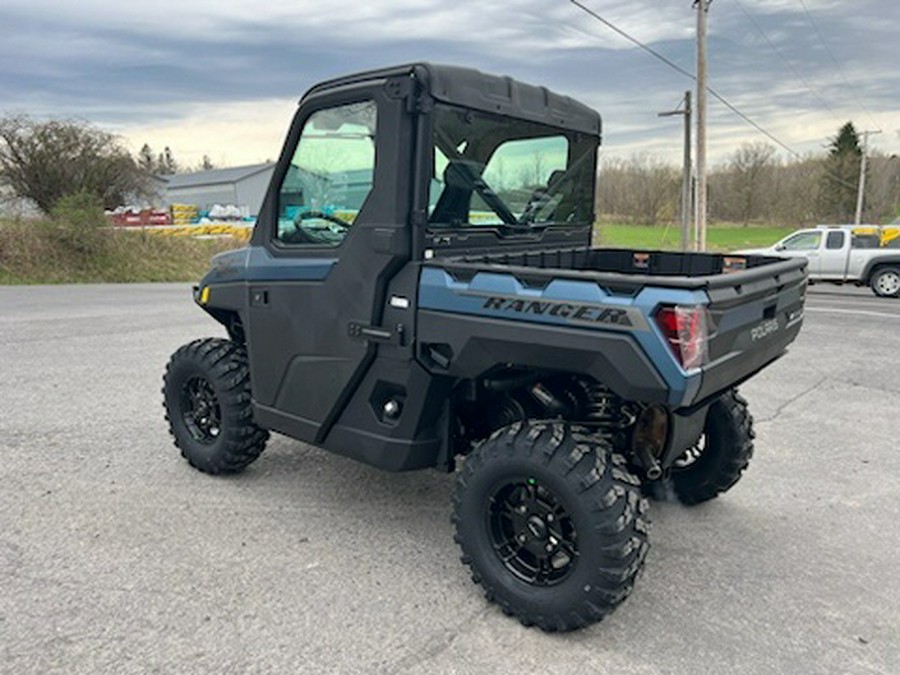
755 185
43 161
165 164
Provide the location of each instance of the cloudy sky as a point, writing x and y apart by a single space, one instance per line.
222 77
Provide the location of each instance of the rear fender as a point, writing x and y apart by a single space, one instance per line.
873 265
579 326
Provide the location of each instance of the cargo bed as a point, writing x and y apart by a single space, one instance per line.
631 269
754 309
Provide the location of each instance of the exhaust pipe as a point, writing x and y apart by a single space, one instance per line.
649 440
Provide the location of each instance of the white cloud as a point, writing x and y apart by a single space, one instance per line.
232 134
220 77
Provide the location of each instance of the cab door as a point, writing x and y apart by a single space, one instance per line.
807 244
832 260
331 236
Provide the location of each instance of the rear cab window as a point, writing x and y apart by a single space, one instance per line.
492 171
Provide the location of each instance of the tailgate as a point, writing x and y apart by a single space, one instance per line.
754 320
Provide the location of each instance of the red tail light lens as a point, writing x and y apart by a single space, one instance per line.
687 331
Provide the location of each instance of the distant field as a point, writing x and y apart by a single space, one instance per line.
726 237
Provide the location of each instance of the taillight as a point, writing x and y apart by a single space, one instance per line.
686 329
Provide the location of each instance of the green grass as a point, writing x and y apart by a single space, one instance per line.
50 252
720 237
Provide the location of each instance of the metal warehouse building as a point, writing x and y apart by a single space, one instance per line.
242 186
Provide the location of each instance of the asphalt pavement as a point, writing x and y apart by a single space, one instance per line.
117 557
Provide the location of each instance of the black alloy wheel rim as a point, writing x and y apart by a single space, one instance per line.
200 410
532 533
691 456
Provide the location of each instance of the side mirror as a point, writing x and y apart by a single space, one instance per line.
779 247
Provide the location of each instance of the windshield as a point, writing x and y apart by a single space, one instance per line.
491 170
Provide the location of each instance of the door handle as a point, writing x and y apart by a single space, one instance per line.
362 331
259 297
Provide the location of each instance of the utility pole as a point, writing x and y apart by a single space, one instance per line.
862 175
686 182
702 9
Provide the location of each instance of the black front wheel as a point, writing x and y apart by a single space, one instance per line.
551 523
206 390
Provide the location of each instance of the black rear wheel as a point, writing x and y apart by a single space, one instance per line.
551 523
206 391
717 461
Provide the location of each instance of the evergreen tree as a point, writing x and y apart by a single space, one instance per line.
146 160
839 183
166 164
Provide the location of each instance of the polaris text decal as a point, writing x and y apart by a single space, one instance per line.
764 329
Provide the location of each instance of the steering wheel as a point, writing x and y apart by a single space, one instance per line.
332 233
321 215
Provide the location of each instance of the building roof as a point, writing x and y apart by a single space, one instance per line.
215 176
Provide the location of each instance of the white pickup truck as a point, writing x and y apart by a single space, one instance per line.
865 255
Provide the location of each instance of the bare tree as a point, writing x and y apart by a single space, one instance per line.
643 189
753 185
650 189
795 192
612 186
883 188
45 161
751 172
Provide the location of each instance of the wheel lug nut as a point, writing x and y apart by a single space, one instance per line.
549 517
549 547
522 509
521 538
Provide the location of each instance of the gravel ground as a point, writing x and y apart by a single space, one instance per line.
117 557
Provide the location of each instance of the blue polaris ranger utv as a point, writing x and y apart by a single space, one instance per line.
420 291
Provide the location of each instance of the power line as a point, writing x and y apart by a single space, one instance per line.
786 61
693 77
753 124
686 73
635 41
837 65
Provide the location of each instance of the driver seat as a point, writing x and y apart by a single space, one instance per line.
455 201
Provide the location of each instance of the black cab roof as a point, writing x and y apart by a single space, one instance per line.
471 88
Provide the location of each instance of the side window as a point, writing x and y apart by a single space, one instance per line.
803 241
835 240
864 240
330 176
